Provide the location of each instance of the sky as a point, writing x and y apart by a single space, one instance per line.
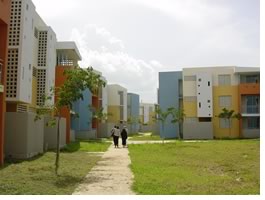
131 41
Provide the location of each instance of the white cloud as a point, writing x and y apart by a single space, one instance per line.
117 65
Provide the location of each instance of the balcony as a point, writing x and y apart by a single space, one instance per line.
249 88
250 110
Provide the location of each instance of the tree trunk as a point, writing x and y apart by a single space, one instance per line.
57 146
229 128
163 137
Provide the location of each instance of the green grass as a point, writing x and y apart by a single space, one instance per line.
145 136
88 146
37 176
213 167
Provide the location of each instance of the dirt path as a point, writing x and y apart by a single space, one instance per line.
111 175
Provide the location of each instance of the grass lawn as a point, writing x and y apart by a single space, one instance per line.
37 176
211 167
144 136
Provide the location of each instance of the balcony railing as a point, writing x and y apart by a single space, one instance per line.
254 109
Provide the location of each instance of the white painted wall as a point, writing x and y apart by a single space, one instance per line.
204 95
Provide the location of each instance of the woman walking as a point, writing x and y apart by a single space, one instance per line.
116 136
124 135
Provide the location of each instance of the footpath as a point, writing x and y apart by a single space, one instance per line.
111 175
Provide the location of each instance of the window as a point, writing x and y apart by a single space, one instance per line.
249 78
251 123
224 123
121 97
36 32
224 80
190 99
209 83
150 109
189 78
225 101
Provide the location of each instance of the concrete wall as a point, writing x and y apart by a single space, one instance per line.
23 136
251 133
169 96
92 134
105 128
50 134
197 130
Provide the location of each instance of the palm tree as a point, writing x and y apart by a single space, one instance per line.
228 115
162 116
178 116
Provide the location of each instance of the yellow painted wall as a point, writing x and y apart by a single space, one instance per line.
190 108
115 114
223 91
34 92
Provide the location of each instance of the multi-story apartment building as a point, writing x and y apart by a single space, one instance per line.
67 58
4 25
170 94
206 91
30 73
85 125
117 105
147 117
133 109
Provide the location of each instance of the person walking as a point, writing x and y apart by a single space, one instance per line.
116 136
124 135
112 134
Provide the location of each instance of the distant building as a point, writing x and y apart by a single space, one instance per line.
117 105
133 109
206 91
67 58
147 115
86 126
170 95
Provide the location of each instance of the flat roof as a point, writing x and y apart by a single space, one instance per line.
70 49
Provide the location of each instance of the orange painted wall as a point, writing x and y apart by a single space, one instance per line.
59 80
246 89
5 9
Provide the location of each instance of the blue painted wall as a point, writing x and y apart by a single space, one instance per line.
133 110
84 122
169 96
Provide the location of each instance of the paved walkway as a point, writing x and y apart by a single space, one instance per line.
111 175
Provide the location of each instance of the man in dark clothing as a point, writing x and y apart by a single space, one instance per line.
124 135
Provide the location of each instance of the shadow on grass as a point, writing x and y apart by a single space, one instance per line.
9 160
66 180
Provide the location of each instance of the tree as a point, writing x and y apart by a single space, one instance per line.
77 81
133 120
162 116
178 116
228 115
99 114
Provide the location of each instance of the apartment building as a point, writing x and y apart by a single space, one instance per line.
133 112
117 106
67 58
5 9
86 126
147 114
30 73
206 91
170 94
